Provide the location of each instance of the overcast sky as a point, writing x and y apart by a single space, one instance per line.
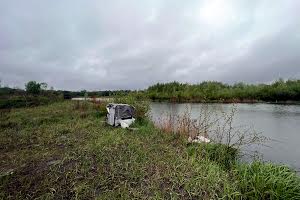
126 44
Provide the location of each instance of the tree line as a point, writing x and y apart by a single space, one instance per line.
38 93
207 91
41 88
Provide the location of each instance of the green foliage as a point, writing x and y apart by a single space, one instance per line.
267 181
215 91
32 87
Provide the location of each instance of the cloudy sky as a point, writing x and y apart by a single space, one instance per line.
97 45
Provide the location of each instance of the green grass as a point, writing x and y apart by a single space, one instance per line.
62 151
267 181
225 156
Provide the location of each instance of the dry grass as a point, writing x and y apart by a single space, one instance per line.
217 126
182 125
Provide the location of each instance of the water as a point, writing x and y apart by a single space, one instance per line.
281 123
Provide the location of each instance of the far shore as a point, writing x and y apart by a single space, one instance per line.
231 101
97 99
228 101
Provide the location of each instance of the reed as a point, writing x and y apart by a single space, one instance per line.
217 126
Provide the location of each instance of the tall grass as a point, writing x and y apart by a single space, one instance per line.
267 181
63 151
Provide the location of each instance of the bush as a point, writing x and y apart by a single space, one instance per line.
32 87
267 181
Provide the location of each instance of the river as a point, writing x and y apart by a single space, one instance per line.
280 123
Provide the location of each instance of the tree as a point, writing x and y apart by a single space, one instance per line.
44 86
32 87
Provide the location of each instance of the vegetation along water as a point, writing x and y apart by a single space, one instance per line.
211 91
64 150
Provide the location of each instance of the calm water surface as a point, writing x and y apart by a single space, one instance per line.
278 122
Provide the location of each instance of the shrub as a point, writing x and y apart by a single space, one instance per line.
32 87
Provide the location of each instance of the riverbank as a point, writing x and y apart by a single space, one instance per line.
229 101
65 150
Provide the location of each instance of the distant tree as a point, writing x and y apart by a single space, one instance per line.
82 93
44 86
32 87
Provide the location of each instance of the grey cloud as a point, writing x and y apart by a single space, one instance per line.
132 44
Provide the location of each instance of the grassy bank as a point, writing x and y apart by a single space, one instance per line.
65 151
223 101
